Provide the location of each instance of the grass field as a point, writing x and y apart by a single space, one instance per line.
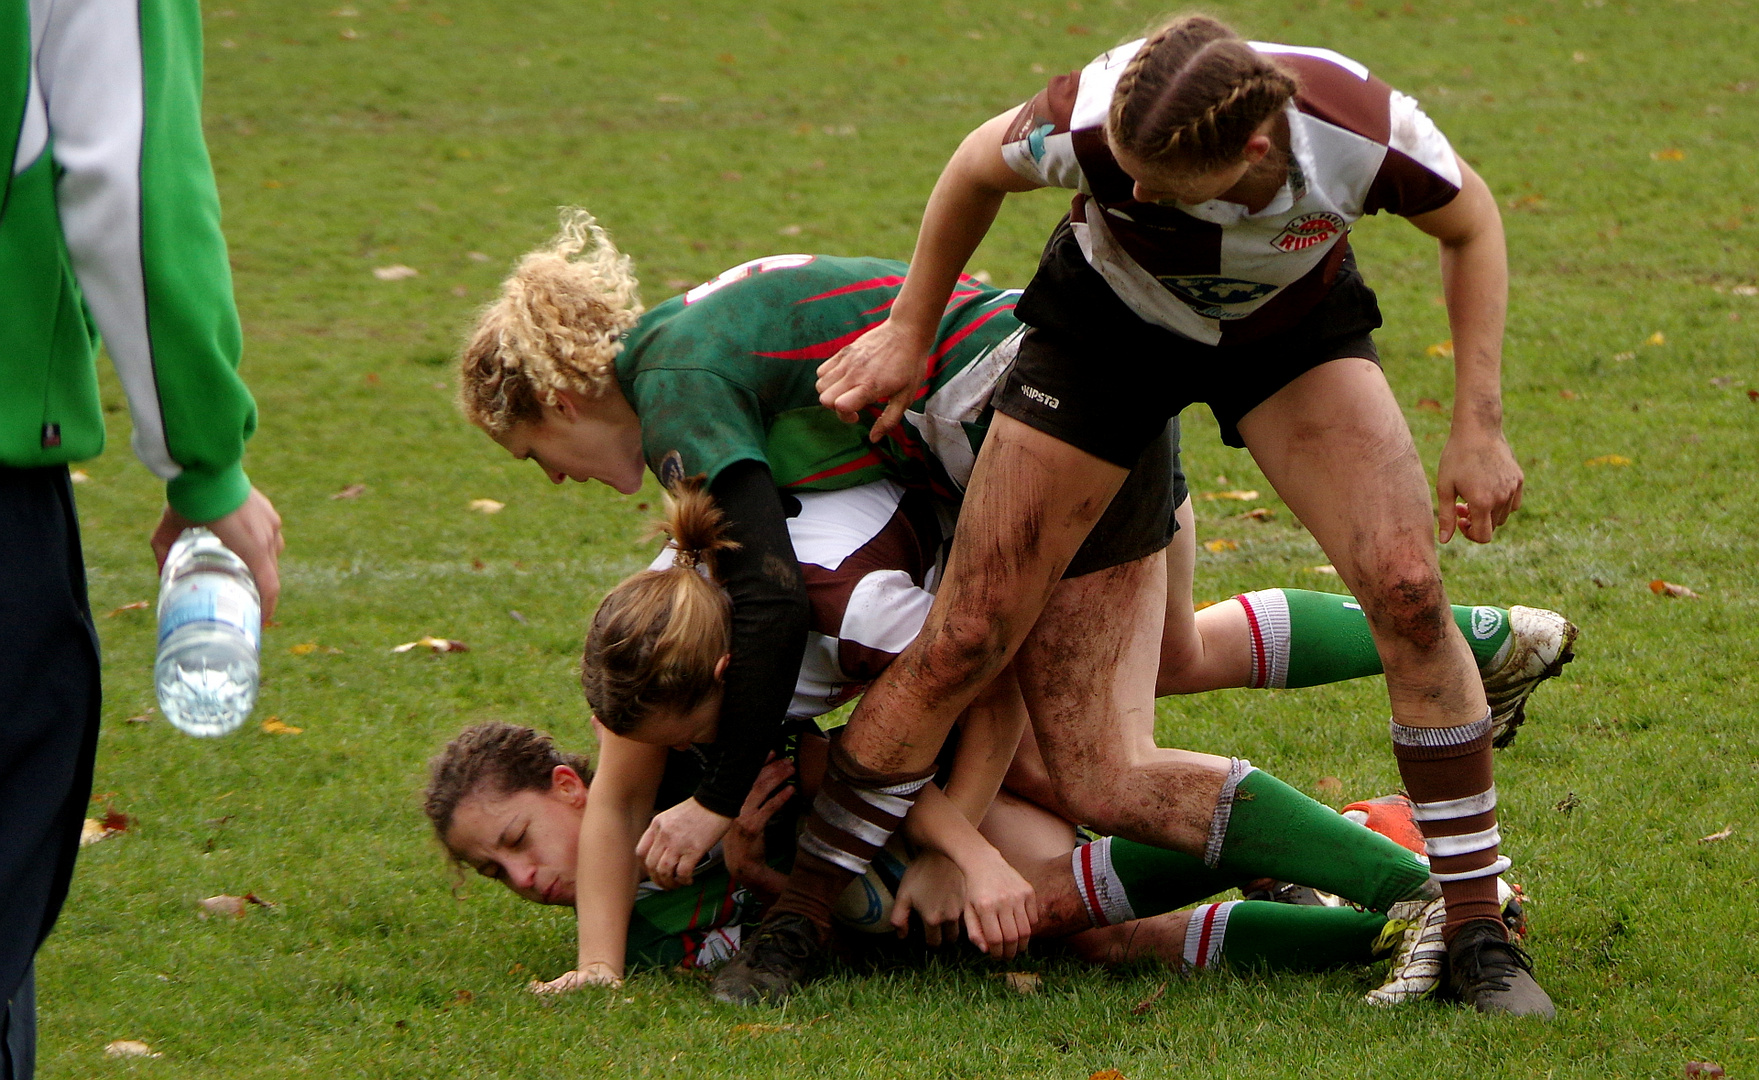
1621 139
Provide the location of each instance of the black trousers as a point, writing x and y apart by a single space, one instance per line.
49 701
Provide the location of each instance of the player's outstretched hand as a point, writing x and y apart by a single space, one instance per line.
1477 486
1000 907
591 975
885 364
253 532
677 839
744 844
934 889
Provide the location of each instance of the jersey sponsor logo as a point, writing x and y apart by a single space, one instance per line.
1040 396
1308 230
1216 291
1486 621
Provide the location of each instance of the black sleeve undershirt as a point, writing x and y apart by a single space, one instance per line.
770 620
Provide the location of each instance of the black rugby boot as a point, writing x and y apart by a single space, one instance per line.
780 957
1492 974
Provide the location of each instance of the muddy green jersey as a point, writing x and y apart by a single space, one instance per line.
726 372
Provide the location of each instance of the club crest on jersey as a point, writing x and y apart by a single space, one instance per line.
671 470
1308 230
1486 621
1215 293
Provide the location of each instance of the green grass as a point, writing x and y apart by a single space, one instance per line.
445 128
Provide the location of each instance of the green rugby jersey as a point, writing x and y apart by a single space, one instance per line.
726 372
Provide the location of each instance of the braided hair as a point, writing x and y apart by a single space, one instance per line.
558 325
1193 94
657 637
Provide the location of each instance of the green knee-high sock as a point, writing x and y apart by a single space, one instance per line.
1280 937
1302 638
1151 880
1268 829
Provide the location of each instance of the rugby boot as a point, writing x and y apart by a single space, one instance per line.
1540 643
1413 934
1492 974
1272 891
779 958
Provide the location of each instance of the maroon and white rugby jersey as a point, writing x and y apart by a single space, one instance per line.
1213 272
868 558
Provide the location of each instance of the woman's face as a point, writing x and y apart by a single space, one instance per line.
581 440
670 727
527 840
1157 183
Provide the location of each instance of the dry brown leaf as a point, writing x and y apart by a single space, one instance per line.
274 726
1657 338
1707 1069
1230 496
789 230
1021 982
1220 545
395 272
143 718
1567 395
1668 588
234 906
305 648
1107 1074
487 506
1608 459
1258 513
1442 350
1753 395
1429 405
438 645
352 491
1147 1003
1726 832
1327 569
133 605
130 1048
78 476
1672 153
96 829
1330 785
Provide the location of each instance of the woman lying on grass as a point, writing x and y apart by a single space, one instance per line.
652 673
570 370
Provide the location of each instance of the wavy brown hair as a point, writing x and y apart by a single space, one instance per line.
657 636
558 325
495 759
1193 94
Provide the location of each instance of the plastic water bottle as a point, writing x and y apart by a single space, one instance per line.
210 626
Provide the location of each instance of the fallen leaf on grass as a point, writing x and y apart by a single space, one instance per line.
1021 982
462 997
1727 831
96 829
1258 513
234 906
516 617
1220 545
1668 588
1672 153
1657 338
1330 785
436 644
1429 405
1327 569
1147 1003
143 718
1745 290
130 1048
352 491
1567 395
1229 496
487 506
79 476
274 726
1107 1074
1753 395
1441 350
395 272
1608 459
304 648
136 605
1707 1069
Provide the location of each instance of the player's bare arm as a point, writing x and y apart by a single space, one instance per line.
888 363
1478 483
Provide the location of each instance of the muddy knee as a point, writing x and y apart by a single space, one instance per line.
1409 611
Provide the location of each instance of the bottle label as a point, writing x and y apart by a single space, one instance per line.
211 598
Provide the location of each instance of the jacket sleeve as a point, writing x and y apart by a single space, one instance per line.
771 615
121 81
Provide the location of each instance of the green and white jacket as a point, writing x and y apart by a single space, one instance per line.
110 225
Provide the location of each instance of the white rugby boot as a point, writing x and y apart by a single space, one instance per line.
1540 643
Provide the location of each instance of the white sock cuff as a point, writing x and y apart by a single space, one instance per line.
1497 867
1098 885
1238 770
1441 847
1450 809
1267 620
1205 932
1440 736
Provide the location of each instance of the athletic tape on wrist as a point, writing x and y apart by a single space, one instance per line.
1238 770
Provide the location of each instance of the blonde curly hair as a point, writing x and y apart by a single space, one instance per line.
558 325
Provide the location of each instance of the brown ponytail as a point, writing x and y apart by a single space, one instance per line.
658 635
1193 94
494 758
